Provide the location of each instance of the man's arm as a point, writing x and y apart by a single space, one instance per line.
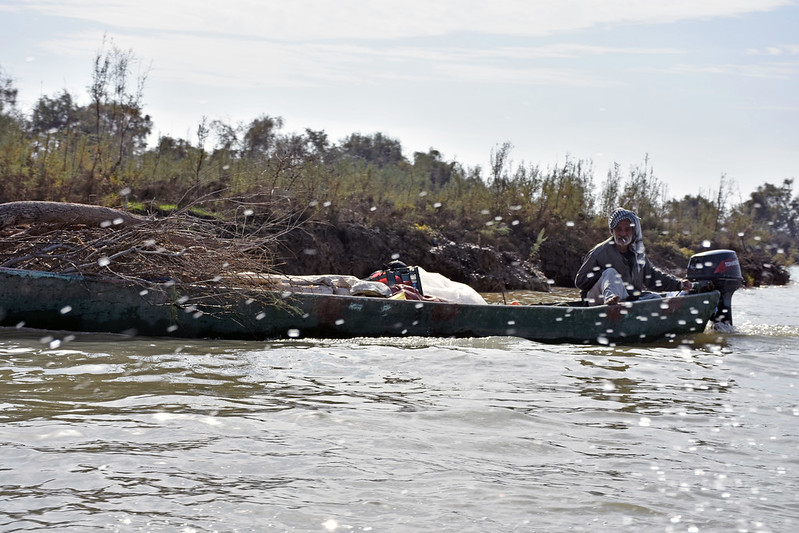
589 271
656 279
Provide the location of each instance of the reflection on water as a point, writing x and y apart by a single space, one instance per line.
497 434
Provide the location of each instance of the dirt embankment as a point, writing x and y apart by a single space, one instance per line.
358 250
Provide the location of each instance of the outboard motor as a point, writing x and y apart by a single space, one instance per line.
717 270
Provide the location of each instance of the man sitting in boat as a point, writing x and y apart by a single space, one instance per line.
617 269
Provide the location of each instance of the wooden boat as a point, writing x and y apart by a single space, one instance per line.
74 303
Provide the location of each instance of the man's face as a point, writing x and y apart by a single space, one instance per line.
623 233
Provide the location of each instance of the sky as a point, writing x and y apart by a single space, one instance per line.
701 89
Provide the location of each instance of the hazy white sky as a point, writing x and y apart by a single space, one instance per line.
705 88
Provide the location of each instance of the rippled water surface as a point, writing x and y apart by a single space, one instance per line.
107 433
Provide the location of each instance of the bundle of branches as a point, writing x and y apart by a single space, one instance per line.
98 241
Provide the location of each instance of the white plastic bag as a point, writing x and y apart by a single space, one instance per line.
435 284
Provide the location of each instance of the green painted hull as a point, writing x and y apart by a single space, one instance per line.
61 302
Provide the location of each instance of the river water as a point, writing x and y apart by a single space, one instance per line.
107 433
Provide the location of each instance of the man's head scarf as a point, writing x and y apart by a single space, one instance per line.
637 244
620 214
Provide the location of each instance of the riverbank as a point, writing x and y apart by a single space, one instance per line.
66 237
488 265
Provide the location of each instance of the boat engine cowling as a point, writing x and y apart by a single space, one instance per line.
717 270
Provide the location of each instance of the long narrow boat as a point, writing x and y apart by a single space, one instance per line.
74 303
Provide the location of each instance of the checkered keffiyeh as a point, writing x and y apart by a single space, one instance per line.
621 214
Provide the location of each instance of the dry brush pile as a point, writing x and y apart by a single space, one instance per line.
102 242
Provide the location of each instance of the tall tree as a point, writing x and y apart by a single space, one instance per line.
8 93
120 127
377 148
434 168
54 114
261 135
774 207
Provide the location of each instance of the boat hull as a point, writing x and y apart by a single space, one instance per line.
73 303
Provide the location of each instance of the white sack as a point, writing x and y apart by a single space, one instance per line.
435 284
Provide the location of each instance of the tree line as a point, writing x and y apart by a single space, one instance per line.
98 152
